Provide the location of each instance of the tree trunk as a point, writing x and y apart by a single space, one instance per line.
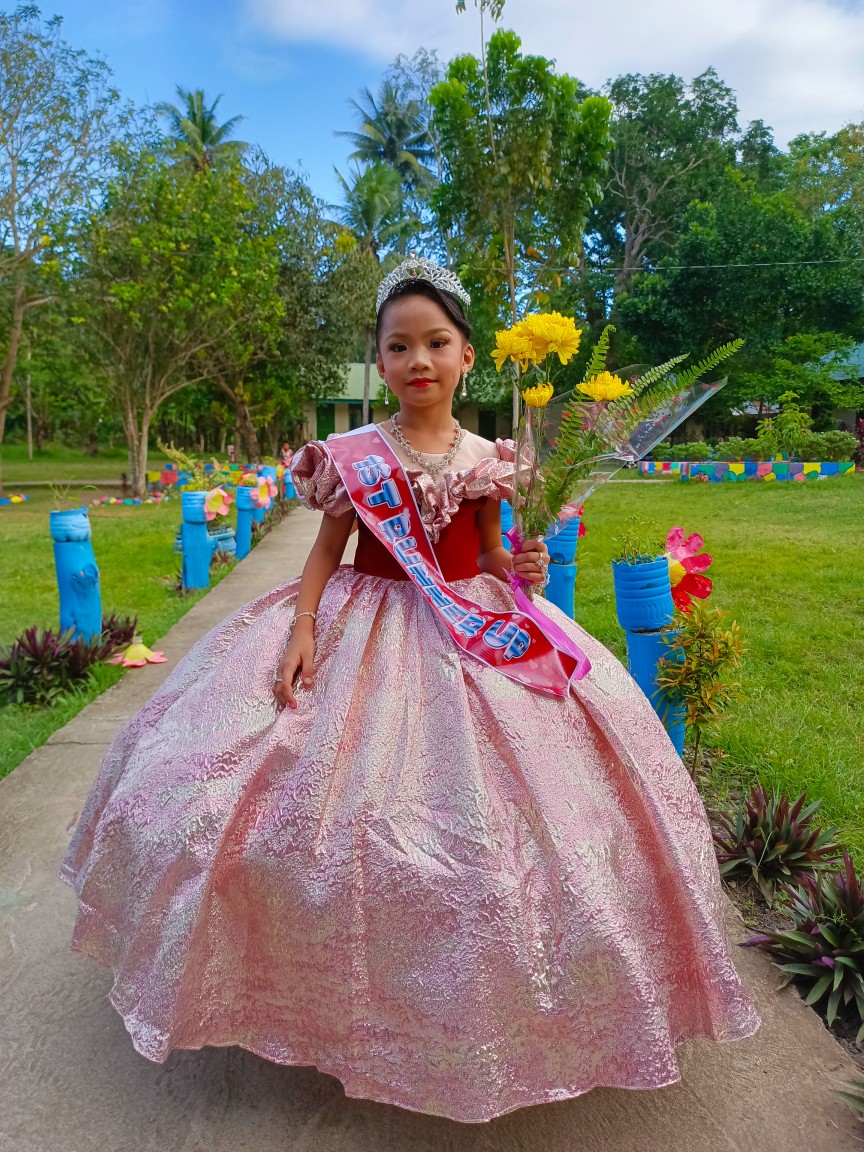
28 401
136 441
367 367
250 436
8 371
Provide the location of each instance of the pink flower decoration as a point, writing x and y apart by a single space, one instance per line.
217 503
137 655
686 563
263 492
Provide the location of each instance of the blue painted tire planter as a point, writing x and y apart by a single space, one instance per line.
77 573
645 650
222 539
643 594
562 544
196 541
245 509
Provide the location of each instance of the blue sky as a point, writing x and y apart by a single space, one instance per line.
290 66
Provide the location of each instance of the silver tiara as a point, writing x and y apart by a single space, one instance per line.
418 268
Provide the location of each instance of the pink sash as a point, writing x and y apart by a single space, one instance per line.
518 644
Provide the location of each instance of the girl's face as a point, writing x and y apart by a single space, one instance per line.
422 353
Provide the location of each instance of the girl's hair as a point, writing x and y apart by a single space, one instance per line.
448 303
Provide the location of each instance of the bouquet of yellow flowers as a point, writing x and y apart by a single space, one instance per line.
567 445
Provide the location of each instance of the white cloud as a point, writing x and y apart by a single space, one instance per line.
794 63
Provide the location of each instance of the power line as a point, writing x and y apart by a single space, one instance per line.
704 267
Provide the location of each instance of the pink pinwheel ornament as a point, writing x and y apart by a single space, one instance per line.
217 503
137 655
686 563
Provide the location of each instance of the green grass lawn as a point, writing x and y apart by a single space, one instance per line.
133 547
789 567
57 463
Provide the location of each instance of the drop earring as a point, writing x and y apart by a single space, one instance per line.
464 391
386 394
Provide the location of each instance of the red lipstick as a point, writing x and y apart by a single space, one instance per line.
420 382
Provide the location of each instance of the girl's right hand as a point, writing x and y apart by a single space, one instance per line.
298 658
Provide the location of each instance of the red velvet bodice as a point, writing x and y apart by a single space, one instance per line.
457 549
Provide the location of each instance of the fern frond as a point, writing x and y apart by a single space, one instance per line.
632 409
654 374
597 363
685 379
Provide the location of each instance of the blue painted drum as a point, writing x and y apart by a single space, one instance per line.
77 573
196 541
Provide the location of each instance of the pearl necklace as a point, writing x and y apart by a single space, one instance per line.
430 466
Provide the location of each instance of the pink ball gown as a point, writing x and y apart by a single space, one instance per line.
454 893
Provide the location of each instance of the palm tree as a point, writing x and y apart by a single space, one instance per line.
393 131
373 212
195 132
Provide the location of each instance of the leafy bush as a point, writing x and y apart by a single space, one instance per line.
825 949
830 446
697 450
786 431
737 448
38 666
772 841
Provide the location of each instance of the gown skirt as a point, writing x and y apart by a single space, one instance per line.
455 894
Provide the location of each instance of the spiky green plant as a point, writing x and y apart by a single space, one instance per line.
825 949
772 840
853 1094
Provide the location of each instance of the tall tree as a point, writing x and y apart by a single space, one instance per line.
755 265
373 214
171 259
524 152
672 141
392 131
195 132
57 118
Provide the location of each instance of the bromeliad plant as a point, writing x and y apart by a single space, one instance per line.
568 447
825 949
773 841
40 666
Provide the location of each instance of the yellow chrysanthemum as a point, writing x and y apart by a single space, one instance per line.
606 387
550 332
512 343
531 340
538 396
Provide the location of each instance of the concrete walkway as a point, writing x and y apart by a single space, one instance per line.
71 1081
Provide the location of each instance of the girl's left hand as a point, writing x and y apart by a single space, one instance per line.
530 564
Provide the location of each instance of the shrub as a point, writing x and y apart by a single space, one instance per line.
737 448
696 450
772 841
38 666
705 650
830 446
825 949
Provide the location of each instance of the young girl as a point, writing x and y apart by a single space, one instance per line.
371 848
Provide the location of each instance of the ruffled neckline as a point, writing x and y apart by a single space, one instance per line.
320 487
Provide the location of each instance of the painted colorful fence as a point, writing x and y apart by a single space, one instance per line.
714 471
